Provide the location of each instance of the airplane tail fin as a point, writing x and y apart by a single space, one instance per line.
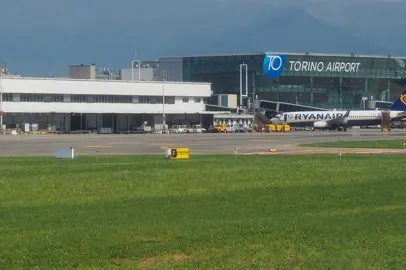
400 103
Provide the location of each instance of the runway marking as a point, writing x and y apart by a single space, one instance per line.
172 146
97 146
263 140
160 144
191 150
332 151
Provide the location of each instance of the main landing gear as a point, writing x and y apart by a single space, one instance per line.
342 129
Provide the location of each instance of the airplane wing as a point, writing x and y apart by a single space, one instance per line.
338 121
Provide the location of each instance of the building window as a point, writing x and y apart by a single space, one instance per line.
92 98
7 97
32 98
156 100
126 99
57 98
143 99
169 100
78 98
53 98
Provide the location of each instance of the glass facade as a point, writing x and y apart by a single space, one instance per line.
319 80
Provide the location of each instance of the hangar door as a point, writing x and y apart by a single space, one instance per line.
78 122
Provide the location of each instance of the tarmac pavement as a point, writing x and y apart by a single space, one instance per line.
199 144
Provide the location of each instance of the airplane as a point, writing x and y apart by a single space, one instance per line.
341 120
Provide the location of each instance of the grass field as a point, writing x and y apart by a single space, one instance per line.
382 144
261 212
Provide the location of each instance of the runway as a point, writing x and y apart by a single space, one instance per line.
199 144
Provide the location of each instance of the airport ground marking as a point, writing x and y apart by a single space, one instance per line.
98 146
165 147
160 144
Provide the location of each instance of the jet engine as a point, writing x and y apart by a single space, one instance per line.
320 124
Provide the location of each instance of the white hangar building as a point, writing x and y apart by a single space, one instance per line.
82 104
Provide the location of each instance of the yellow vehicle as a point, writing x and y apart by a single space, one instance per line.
219 128
278 128
272 128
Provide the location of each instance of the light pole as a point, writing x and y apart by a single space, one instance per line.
132 69
164 74
163 106
1 104
3 70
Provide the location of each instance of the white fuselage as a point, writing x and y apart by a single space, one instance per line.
355 118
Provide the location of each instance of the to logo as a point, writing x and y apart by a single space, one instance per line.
274 65
403 98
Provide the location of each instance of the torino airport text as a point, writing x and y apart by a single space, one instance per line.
320 66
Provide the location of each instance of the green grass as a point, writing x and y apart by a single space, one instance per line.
381 144
209 212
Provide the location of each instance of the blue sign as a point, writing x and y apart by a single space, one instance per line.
274 65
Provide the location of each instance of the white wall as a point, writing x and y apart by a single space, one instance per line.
103 87
82 72
147 74
62 107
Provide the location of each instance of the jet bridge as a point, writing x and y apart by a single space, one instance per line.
275 107
385 105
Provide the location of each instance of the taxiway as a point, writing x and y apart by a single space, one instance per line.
45 145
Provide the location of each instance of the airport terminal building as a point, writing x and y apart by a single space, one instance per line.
186 90
317 80
83 104
87 101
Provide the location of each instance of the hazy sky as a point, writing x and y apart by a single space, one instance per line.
41 37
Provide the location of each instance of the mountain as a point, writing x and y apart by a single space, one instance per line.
47 36
283 30
381 22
